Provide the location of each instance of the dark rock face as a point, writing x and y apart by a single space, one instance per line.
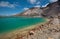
59 2
52 10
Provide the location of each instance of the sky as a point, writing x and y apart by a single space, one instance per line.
11 7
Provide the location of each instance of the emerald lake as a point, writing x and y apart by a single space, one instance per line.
12 23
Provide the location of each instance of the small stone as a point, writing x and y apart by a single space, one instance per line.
50 38
31 33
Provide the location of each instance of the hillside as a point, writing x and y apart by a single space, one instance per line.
51 10
35 11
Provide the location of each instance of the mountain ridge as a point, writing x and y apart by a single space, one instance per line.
51 10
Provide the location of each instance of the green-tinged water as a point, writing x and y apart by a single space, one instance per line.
12 23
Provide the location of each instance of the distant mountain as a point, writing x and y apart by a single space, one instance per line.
35 11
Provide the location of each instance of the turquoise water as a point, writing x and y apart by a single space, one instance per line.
12 23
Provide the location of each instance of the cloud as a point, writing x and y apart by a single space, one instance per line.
7 4
51 1
26 8
38 2
32 1
37 6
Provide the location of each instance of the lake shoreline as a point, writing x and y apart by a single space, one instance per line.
8 24
22 31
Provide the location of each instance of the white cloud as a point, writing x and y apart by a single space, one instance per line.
7 4
37 6
32 1
45 5
51 1
38 2
26 8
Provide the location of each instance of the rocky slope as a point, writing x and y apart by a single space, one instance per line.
52 10
46 31
35 11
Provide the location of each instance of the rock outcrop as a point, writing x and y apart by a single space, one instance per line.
52 10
